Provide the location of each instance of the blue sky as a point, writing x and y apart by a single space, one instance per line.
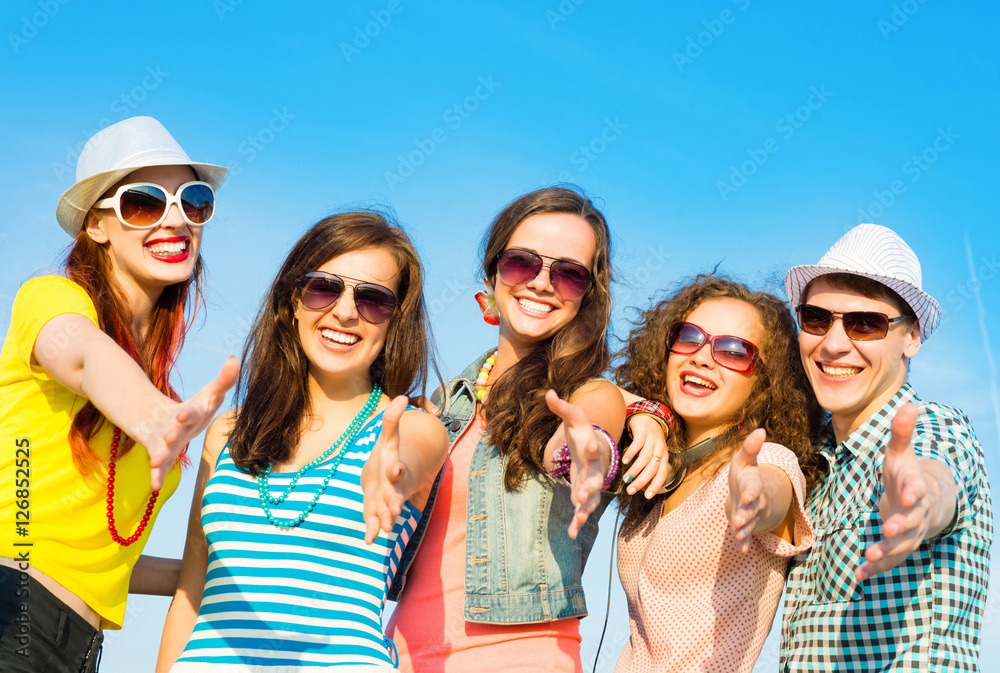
727 132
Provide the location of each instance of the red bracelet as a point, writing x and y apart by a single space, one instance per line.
653 408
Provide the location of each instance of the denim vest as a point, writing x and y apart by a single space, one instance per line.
521 566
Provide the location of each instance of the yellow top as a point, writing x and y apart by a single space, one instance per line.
48 510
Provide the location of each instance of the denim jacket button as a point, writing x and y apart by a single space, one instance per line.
455 425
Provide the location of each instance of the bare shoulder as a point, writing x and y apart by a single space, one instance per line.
218 433
422 422
598 388
602 402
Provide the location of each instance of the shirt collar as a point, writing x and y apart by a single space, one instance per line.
868 435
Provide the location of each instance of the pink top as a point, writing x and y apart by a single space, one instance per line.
429 627
695 603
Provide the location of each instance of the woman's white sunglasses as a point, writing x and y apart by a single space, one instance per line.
144 205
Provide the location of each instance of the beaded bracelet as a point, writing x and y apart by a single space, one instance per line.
563 461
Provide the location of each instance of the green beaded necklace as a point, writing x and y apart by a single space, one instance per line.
266 499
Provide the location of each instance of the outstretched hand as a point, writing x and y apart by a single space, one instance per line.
748 499
587 450
385 474
171 428
909 501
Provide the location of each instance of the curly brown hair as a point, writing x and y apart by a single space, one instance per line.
517 418
781 400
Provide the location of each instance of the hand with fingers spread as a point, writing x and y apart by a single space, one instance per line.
918 501
171 428
649 463
383 481
748 500
590 456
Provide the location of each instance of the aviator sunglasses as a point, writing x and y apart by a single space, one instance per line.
733 353
517 267
858 325
375 303
144 205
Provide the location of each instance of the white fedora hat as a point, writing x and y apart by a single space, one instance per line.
878 253
115 152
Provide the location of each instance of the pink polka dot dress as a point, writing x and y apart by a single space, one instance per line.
695 603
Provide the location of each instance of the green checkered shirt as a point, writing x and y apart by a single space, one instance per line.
923 615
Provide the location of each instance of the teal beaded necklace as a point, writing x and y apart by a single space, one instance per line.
266 499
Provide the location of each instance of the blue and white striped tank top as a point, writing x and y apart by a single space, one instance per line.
284 599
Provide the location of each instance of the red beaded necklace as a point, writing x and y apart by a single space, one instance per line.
125 542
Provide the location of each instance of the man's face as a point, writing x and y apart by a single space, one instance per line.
854 379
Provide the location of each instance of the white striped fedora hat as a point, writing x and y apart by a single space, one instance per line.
878 253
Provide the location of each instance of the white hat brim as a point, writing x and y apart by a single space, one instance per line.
924 306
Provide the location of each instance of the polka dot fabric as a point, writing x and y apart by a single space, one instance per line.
696 603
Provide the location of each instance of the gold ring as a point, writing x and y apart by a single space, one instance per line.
656 458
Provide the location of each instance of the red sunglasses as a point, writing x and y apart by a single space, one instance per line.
733 353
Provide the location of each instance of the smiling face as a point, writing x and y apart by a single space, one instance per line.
707 396
854 379
339 343
533 311
150 259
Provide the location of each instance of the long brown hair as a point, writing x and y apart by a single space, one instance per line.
517 418
781 400
88 264
272 391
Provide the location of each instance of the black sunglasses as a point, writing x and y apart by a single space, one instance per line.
858 325
375 303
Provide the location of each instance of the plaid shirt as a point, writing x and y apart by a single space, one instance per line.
923 615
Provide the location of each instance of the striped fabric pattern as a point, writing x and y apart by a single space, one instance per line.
311 596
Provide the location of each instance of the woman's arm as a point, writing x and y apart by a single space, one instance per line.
155 576
760 496
187 600
407 456
648 448
602 404
597 403
87 361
